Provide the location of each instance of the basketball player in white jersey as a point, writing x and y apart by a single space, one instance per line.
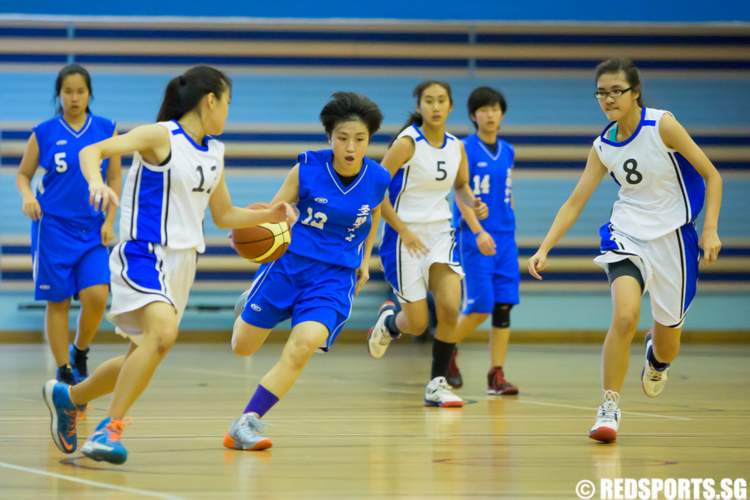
177 173
650 243
419 251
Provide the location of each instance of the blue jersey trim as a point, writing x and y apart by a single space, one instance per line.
150 205
197 146
346 189
499 143
691 184
629 139
76 133
423 138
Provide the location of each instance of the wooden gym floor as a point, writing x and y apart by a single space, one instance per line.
354 427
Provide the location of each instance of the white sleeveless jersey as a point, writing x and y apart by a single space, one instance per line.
419 190
166 204
660 190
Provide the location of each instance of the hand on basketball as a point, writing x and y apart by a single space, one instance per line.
711 245
412 243
102 196
363 276
481 209
486 243
108 234
537 263
31 208
282 212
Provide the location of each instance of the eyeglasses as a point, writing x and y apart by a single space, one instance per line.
614 93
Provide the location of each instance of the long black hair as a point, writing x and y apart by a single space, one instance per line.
72 69
184 92
348 106
632 75
415 117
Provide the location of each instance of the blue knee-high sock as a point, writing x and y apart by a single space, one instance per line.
262 401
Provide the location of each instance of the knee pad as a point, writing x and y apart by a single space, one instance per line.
501 315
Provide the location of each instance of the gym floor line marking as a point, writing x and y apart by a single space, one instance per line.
639 413
87 482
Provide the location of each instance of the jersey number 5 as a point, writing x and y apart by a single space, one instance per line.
316 220
442 173
60 164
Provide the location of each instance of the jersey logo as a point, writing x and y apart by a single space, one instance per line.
362 215
481 164
321 200
45 287
256 307
61 142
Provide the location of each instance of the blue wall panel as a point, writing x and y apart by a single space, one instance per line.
486 10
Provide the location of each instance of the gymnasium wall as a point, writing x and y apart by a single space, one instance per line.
284 72
483 10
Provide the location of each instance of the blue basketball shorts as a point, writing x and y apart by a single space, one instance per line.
67 257
302 289
489 279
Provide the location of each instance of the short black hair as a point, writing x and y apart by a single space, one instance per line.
485 96
348 106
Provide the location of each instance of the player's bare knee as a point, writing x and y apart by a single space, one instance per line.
417 326
162 337
625 322
447 314
302 348
95 301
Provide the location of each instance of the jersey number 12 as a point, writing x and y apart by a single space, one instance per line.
316 220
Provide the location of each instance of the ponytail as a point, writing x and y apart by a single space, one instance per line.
184 92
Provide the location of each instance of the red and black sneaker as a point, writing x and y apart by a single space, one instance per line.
497 385
454 377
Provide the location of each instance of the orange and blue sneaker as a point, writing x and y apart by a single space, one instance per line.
245 434
104 444
63 414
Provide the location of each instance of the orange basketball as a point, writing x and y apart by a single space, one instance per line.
263 243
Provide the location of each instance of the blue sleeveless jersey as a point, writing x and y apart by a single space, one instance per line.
490 180
63 191
335 219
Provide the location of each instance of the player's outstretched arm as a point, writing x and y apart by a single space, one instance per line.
227 216
150 141
569 212
676 137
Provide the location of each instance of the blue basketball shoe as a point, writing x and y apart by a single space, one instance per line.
63 414
104 444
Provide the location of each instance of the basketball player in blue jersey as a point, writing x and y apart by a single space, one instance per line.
418 250
177 172
489 255
650 243
69 238
338 192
